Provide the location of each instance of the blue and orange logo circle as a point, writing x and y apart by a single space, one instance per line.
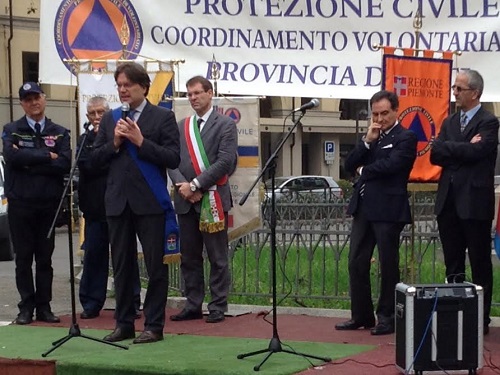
420 121
92 29
233 113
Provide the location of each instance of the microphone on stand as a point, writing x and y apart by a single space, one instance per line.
125 110
312 104
88 127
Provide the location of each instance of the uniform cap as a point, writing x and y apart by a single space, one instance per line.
29 88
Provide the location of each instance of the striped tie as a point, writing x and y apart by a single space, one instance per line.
381 136
463 122
362 188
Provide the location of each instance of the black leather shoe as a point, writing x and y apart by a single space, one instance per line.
382 329
215 316
352 325
187 315
148 336
120 334
89 314
24 317
47 316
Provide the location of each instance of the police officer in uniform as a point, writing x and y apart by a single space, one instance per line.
37 154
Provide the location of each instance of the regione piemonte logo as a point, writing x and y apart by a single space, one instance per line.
400 85
91 29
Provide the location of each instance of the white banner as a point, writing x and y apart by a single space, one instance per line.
245 113
101 82
306 48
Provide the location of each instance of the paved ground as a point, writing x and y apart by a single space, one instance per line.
246 321
61 303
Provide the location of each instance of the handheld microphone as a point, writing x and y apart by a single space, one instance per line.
125 110
88 126
312 104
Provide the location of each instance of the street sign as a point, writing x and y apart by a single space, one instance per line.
329 150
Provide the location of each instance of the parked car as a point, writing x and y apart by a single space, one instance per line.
6 248
318 187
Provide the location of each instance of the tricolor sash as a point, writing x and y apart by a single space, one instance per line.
152 175
212 214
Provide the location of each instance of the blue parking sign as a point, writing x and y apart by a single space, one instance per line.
329 150
329 146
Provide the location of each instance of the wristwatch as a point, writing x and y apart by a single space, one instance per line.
193 187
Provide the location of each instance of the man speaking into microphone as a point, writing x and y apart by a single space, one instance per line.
138 148
91 189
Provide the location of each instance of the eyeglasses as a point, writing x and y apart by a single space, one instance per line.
194 93
95 113
460 89
125 86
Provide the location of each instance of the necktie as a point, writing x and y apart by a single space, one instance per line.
38 135
131 114
463 122
362 188
381 136
199 121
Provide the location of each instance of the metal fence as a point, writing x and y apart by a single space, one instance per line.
312 245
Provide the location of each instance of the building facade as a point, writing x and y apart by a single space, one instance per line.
317 146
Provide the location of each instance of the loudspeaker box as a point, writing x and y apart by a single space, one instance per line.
439 327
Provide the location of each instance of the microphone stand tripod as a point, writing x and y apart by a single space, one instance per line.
74 330
275 343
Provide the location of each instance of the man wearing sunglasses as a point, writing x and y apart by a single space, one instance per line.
466 148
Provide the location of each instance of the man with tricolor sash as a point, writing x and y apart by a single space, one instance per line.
139 146
209 143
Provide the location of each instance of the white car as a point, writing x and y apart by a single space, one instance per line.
6 249
321 187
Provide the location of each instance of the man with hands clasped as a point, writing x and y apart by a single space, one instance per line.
383 160
138 150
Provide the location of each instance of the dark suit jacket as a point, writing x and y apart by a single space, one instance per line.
125 181
220 140
387 165
470 167
92 181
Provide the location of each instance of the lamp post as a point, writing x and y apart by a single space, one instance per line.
360 115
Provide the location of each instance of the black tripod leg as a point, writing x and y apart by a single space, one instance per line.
57 344
241 356
257 368
105 342
73 332
325 359
62 340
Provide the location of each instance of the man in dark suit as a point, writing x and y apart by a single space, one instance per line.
379 205
91 189
466 148
37 155
197 183
148 137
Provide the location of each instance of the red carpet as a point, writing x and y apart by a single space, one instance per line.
298 328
